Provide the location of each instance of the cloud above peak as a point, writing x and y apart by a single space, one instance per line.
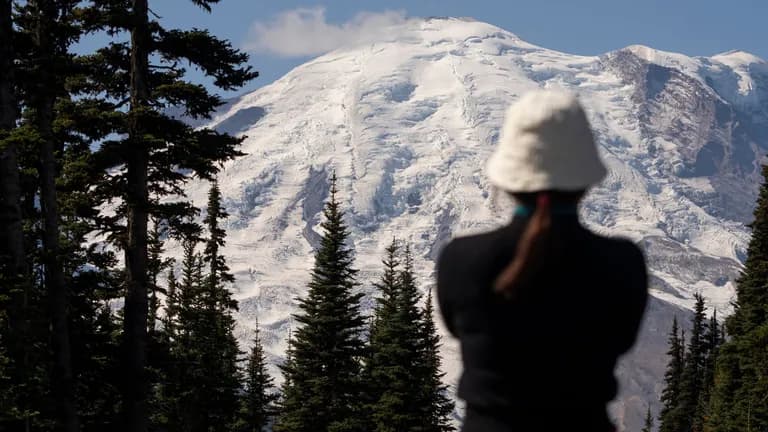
306 32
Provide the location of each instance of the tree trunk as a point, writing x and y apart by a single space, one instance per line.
136 304
11 234
62 382
12 255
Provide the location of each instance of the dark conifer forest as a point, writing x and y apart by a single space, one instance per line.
100 330
717 377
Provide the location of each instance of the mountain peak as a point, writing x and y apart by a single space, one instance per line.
662 58
460 28
407 119
450 18
736 58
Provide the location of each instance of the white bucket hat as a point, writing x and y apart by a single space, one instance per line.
546 144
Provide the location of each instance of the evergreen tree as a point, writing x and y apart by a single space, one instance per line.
437 406
11 236
181 400
48 25
218 273
65 281
380 363
91 271
712 340
12 251
186 381
648 423
739 400
8 407
94 280
750 310
671 414
98 371
156 265
15 286
12 255
692 379
286 386
170 317
324 372
200 387
259 397
154 153
62 372
395 349
220 381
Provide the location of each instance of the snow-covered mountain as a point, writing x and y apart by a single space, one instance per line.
407 124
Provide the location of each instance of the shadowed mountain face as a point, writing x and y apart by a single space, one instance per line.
407 124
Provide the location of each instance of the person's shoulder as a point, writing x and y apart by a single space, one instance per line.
464 248
450 252
619 246
622 253
629 249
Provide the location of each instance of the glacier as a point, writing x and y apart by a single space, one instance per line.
407 122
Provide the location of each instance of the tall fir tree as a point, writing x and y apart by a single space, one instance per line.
220 380
201 384
12 254
66 282
739 400
154 153
751 305
670 419
324 372
13 289
61 370
157 264
259 397
712 342
159 355
171 311
48 26
8 407
379 335
691 380
12 251
395 349
437 406
287 364
99 371
182 400
92 275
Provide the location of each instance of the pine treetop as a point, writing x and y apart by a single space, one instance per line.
751 306
671 415
738 401
691 385
327 347
259 398
173 150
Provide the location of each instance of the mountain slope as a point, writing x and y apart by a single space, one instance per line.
407 124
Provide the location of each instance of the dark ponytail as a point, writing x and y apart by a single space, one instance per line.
531 250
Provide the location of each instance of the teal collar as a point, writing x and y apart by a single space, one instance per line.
557 209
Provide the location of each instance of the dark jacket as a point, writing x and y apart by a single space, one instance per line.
543 360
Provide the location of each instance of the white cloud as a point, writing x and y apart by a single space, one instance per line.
305 31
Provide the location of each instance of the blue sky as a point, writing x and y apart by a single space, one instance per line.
702 27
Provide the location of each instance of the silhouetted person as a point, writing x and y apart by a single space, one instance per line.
542 307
